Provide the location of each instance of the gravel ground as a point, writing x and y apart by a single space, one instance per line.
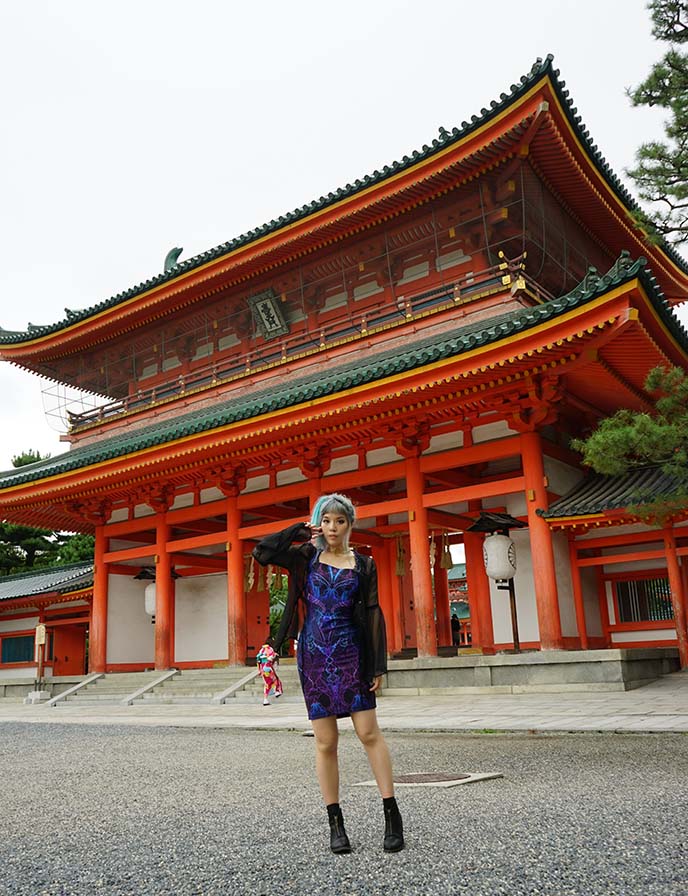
95 810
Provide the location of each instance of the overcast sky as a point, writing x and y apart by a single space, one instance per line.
136 126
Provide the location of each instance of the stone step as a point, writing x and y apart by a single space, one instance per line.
181 700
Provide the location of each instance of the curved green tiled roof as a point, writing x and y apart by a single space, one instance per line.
446 138
47 580
356 373
598 493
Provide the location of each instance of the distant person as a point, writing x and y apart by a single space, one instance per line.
456 630
342 651
267 660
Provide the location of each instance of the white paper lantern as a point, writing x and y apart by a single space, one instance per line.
149 599
499 553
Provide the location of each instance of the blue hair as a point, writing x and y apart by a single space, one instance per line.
333 503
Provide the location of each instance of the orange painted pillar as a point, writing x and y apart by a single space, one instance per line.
479 600
236 596
426 633
604 606
163 595
541 547
683 563
578 594
395 621
444 632
384 586
678 597
97 638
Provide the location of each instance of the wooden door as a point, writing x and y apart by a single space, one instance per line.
69 650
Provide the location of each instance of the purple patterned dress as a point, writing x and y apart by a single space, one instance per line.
328 649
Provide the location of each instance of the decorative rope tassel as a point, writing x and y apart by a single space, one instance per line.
261 578
270 576
433 550
446 561
401 558
251 573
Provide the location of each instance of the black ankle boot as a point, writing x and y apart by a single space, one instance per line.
394 829
339 842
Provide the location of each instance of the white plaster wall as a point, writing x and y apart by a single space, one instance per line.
415 272
609 594
524 587
451 259
286 477
591 602
208 495
382 456
567 607
201 626
130 634
342 465
370 288
515 504
23 672
655 634
561 476
185 500
445 442
257 483
336 300
488 432
142 510
18 625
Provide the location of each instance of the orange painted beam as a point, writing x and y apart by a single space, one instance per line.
129 527
621 558
200 561
130 554
196 541
617 540
475 492
474 454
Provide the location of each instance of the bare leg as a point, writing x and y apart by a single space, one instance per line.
326 761
369 734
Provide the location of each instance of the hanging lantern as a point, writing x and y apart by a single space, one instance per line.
499 553
149 600
446 561
400 565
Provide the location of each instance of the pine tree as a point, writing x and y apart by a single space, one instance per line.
630 440
661 172
23 548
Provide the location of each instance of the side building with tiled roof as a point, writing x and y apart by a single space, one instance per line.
427 340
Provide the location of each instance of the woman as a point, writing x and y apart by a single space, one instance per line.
267 660
342 652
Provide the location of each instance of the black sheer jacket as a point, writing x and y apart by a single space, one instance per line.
279 549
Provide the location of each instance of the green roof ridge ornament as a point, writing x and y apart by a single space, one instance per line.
171 259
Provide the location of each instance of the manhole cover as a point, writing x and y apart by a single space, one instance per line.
437 779
428 778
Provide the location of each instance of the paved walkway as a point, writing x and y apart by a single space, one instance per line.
658 707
